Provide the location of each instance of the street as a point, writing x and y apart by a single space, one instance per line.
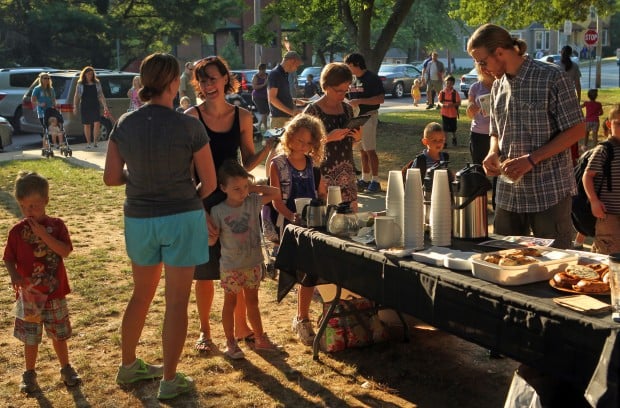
609 79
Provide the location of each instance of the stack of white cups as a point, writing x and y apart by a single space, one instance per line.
441 209
394 200
413 224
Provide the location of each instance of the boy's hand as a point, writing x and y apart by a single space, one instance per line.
598 208
37 229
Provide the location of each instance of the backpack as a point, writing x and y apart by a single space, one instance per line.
420 160
442 98
581 213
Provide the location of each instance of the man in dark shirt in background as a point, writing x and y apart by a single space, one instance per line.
281 102
366 93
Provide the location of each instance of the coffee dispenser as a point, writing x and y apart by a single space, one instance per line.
469 210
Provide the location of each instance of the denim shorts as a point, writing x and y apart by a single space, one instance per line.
55 319
177 240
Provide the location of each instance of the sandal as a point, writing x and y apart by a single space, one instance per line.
204 345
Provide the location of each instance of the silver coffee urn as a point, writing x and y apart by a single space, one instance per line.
469 210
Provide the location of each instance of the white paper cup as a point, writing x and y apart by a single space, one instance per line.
300 203
387 232
334 196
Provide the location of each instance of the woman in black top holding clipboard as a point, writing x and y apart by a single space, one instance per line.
337 167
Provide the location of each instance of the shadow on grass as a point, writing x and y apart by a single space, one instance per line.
279 391
433 369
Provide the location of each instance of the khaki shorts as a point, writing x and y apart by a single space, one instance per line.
278 122
369 132
607 235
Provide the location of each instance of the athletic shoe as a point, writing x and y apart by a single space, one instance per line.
362 185
29 382
138 371
264 343
181 384
233 351
88 146
374 187
69 376
303 329
430 106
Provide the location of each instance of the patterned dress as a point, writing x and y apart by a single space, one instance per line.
337 167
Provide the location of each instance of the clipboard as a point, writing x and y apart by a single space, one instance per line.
357 121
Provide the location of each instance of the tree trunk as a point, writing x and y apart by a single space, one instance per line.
360 29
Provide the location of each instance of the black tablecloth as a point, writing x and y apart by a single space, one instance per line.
521 322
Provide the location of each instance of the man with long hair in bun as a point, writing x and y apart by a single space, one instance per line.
535 118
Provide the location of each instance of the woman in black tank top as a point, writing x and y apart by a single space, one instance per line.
230 130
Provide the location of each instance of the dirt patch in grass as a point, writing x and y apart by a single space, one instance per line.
434 369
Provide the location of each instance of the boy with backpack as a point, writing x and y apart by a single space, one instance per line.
434 139
605 202
449 100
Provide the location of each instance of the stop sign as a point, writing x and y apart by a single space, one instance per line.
590 37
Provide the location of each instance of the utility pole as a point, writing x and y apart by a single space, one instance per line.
599 51
257 47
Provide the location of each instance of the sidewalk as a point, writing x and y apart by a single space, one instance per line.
95 158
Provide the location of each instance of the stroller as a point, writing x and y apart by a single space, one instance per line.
48 150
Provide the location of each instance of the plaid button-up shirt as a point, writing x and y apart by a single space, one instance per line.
527 111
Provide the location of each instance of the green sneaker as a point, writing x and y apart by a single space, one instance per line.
138 371
171 389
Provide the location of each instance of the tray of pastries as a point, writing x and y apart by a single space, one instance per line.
520 266
589 279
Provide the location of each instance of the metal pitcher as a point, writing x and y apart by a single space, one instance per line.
469 210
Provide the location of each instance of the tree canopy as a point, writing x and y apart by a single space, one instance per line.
519 14
74 33
366 26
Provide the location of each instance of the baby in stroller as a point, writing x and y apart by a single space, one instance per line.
54 134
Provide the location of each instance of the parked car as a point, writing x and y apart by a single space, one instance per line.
557 57
398 78
301 79
13 83
115 85
467 81
6 133
245 76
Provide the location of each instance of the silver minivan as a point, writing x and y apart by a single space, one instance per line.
114 84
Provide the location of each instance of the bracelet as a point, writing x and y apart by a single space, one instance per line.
529 158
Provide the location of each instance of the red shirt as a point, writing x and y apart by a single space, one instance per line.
35 260
593 110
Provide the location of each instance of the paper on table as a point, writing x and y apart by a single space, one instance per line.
583 303
513 241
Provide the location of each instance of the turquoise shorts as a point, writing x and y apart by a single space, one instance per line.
176 240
